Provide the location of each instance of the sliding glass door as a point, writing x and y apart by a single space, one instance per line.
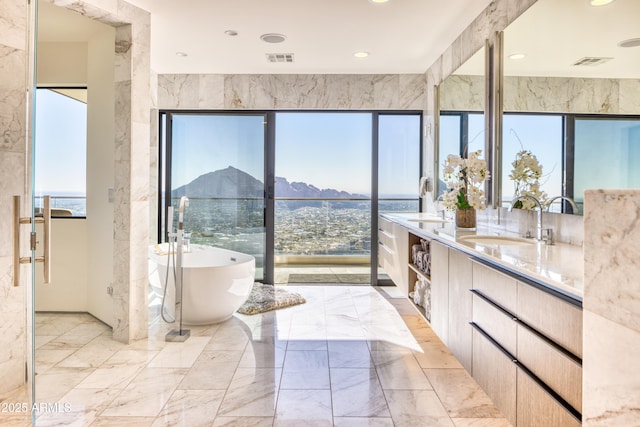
323 197
300 191
218 162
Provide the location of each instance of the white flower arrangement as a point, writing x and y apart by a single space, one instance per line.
526 174
465 179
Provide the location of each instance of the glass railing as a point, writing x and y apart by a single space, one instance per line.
336 228
322 227
64 206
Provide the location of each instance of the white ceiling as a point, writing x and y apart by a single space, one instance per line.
554 34
402 36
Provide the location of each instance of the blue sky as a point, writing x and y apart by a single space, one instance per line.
328 150
60 144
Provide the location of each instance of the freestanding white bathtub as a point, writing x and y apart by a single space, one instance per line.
216 282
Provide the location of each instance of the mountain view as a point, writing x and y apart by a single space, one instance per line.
234 183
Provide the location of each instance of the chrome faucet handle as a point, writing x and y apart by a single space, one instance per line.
548 236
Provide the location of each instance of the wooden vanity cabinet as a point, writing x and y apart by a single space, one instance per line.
529 340
459 338
393 252
440 290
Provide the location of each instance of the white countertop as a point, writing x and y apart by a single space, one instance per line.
559 266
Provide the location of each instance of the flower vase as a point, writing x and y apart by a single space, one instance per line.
466 219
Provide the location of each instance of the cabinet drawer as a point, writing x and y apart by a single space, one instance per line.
496 323
386 238
537 408
495 373
561 373
497 286
553 317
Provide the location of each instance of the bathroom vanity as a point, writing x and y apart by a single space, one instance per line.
508 308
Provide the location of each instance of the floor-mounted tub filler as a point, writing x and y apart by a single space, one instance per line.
201 284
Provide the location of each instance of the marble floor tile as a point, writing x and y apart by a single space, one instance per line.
46 359
190 408
410 408
56 382
434 354
306 369
252 392
399 371
180 354
466 400
147 393
357 393
105 421
79 407
243 422
212 371
318 345
362 422
349 354
265 353
304 408
115 377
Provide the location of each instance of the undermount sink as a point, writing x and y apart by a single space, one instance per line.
481 239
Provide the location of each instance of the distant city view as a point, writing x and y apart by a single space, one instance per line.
226 209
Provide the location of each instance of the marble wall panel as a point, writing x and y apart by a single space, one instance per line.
13 133
611 390
211 92
291 91
178 91
562 95
629 93
412 93
13 24
612 255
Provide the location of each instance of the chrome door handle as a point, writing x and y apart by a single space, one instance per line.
46 258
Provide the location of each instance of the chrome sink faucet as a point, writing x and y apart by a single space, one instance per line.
539 208
574 207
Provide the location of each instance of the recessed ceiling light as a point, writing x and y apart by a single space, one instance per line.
181 54
361 54
516 56
630 43
273 38
600 2
231 33
379 1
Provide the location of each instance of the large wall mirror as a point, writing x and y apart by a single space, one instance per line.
461 104
571 92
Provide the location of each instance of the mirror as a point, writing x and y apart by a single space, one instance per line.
570 90
461 121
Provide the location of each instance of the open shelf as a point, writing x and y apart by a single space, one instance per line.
419 272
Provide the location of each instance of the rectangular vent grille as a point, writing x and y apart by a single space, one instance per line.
279 57
591 61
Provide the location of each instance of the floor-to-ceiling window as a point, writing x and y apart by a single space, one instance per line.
61 150
299 189
323 197
217 162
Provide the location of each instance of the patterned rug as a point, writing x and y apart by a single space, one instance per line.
267 297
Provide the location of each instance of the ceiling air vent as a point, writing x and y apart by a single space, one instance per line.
591 61
279 57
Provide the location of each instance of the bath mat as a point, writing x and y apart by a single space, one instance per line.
267 297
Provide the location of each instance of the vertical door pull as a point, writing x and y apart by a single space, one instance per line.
46 258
